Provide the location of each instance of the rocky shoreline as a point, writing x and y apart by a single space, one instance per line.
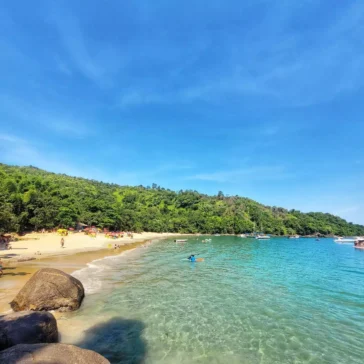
30 334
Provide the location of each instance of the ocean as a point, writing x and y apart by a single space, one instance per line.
277 301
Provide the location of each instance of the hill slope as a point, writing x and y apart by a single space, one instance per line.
31 198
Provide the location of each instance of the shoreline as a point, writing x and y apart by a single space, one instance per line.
17 273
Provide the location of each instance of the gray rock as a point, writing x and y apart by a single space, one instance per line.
49 289
50 354
27 328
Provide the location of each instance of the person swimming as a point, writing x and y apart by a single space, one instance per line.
192 258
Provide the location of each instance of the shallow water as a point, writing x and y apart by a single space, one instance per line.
278 301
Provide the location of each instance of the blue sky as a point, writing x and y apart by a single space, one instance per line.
258 98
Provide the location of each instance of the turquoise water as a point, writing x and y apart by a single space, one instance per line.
278 301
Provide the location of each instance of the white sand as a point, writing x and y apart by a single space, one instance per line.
50 243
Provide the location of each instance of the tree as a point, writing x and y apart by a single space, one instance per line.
32 199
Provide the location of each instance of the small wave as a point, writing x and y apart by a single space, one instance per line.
92 276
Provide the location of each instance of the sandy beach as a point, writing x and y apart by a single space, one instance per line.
79 249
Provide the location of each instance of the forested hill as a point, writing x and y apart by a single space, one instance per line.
31 199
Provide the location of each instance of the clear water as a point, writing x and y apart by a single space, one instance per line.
278 301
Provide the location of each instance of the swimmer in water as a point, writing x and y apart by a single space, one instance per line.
192 258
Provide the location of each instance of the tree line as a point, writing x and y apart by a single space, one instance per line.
32 199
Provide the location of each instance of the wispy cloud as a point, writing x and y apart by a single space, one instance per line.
274 60
142 97
63 67
177 166
16 150
251 173
96 61
53 120
7 138
343 211
147 176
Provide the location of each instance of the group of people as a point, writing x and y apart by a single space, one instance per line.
5 242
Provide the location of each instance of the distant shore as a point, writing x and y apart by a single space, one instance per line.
79 250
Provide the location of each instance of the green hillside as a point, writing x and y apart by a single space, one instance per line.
32 199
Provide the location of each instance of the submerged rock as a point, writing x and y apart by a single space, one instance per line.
27 328
49 289
50 354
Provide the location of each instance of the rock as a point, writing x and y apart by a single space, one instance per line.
27 328
50 354
49 289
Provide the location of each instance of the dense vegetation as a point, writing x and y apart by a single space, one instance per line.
31 199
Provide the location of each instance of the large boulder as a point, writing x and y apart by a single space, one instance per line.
49 289
27 328
50 354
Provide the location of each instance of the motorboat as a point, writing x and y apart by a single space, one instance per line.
359 243
294 237
262 237
345 241
180 240
243 236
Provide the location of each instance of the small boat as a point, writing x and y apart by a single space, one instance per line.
345 241
359 243
262 237
243 236
217 234
180 240
294 237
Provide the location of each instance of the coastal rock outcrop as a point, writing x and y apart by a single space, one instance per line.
50 354
27 327
49 289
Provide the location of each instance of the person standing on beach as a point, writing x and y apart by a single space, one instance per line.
62 243
1 268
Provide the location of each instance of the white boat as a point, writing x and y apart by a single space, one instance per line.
294 237
262 237
243 235
180 240
345 241
359 242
